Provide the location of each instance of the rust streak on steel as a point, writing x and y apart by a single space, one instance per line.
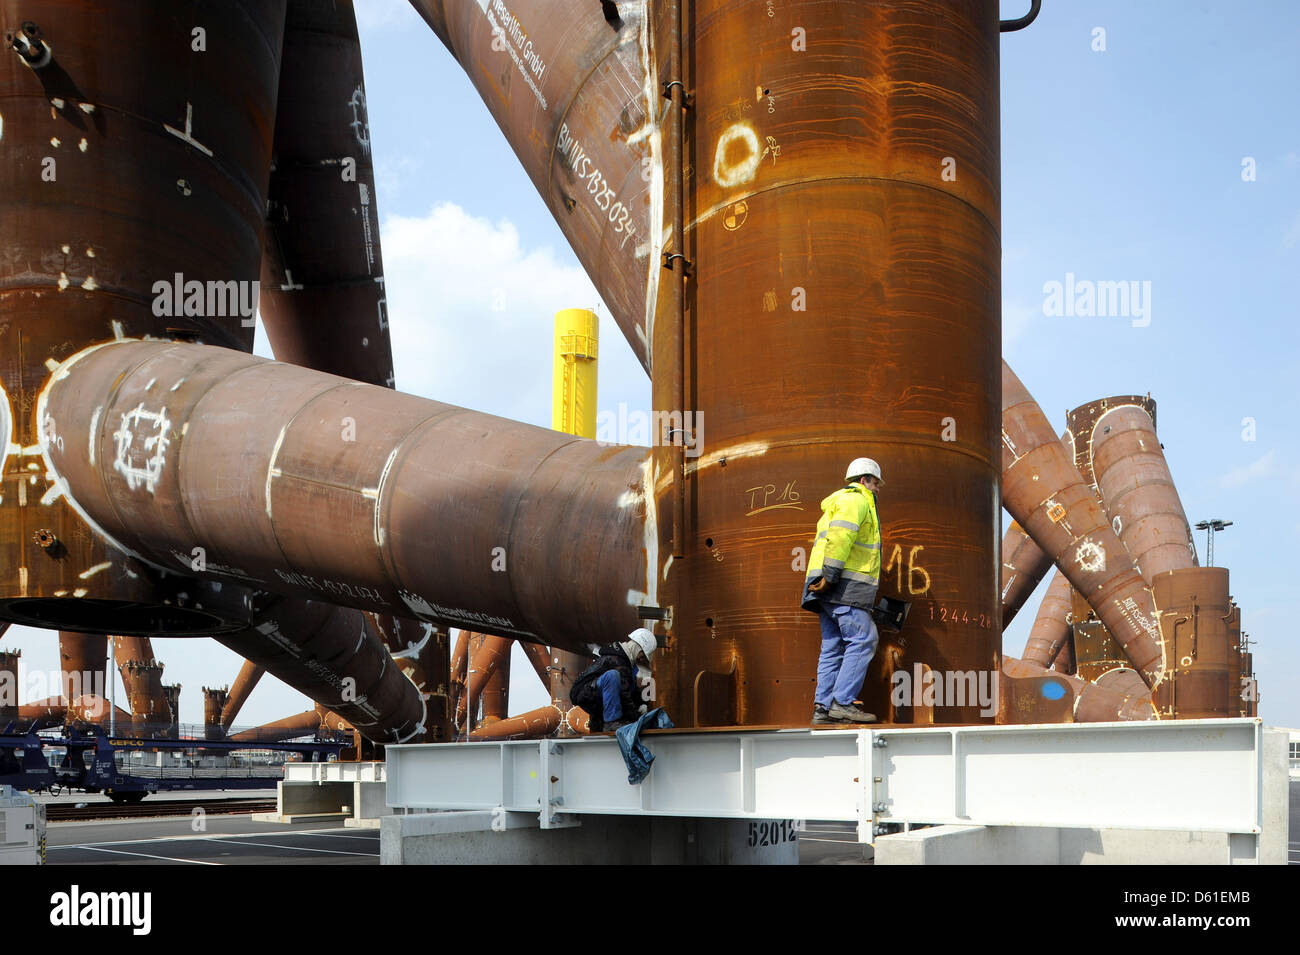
1138 491
1043 491
256 472
1024 565
1051 627
534 724
322 301
249 675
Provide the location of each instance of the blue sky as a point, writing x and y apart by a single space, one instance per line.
1122 164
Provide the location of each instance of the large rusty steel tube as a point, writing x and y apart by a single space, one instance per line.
1093 703
173 693
540 660
824 242
1024 564
1043 491
141 673
133 197
488 655
322 301
1138 492
249 676
306 723
9 690
1079 424
577 97
534 724
214 701
827 247
257 476
495 694
1063 658
1052 625
335 656
142 677
1196 617
83 664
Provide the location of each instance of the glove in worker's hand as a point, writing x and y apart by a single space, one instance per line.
819 586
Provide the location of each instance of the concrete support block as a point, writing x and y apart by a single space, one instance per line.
368 800
301 799
969 845
1275 794
499 837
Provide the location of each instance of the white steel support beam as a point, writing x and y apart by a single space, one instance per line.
1193 775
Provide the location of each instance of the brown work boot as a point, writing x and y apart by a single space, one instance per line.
840 713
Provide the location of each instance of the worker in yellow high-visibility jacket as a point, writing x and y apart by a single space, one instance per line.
843 574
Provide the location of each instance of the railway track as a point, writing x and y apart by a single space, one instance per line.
58 812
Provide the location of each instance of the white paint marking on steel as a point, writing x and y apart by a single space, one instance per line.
272 471
186 136
379 494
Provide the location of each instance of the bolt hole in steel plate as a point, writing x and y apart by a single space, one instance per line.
123 617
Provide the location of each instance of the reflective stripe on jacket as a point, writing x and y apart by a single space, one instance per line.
847 549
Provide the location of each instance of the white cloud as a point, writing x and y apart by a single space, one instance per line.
472 312
1238 477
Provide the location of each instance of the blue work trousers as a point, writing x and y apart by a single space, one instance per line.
610 685
848 643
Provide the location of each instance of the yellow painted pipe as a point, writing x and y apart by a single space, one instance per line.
573 392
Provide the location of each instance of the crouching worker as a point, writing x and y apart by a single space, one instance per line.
610 689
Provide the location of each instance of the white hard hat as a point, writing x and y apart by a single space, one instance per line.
863 466
644 639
